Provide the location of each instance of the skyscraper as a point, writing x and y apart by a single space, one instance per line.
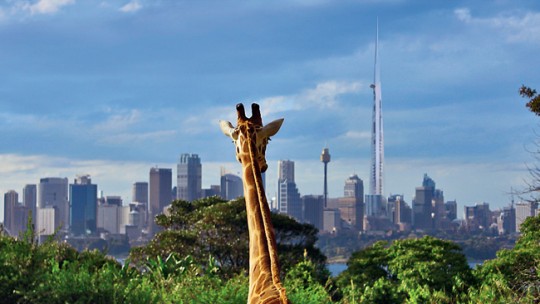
11 201
83 198
231 186
189 178
139 194
286 170
160 194
523 211
289 200
354 187
313 207
351 206
53 193
423 216
374 200
30 200
377 138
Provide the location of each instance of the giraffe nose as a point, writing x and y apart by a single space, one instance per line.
264 167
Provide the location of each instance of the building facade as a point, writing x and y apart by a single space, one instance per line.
53 193
189 177
160 194
11 202
30 200
290 200
231 186
83 198
313 206
523 211
423 216
139 193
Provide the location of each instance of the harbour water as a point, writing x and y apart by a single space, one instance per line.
336 268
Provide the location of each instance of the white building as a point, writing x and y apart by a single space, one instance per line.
113 218
45 221
523 211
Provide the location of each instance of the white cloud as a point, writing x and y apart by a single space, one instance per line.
119 120
47 6
3 16
356 135
516 26
324 95
131 7
463 14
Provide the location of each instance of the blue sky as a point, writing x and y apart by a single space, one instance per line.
111 88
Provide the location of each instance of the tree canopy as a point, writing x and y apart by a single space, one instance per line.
410 270
218 228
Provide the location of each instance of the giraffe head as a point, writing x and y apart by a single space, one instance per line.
251 130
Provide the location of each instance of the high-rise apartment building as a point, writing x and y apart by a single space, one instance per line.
53 194
189 177
83 198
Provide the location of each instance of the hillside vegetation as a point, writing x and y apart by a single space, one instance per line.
176 267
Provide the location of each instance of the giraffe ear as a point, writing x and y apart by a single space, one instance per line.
272 128
228 129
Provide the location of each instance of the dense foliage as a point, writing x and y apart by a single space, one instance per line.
217 228
412 270
415 270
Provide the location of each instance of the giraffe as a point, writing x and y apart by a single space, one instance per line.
250 138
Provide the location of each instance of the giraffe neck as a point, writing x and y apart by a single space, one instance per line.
264 268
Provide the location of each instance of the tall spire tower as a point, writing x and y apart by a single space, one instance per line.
377 138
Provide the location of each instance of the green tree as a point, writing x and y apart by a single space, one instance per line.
302 285
411 270
429 268
218 228
366 266
515 274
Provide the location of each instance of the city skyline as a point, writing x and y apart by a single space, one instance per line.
113 88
